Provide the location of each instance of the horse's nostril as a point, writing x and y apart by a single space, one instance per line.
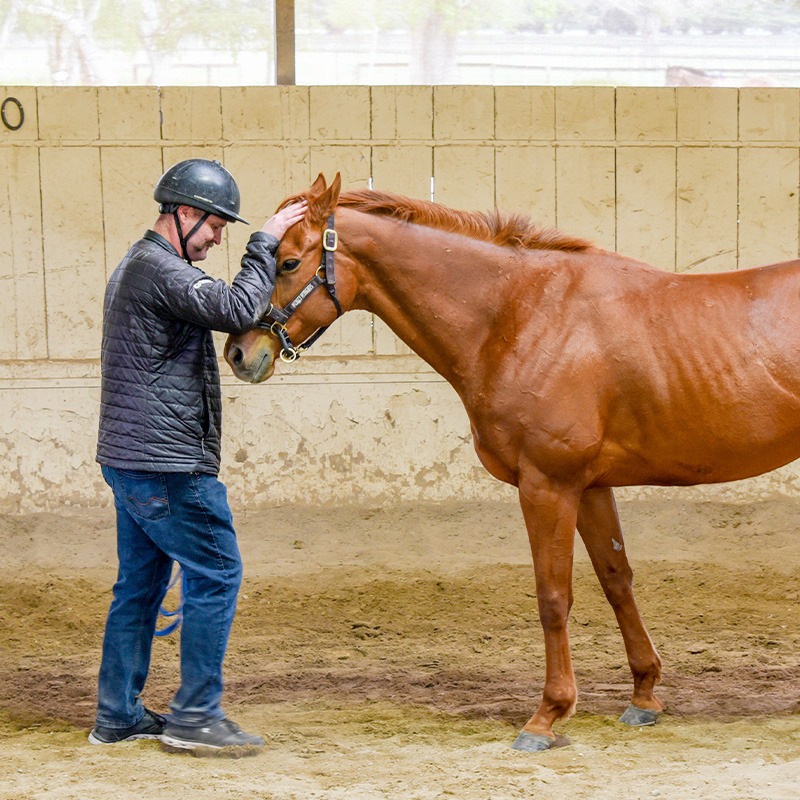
237 356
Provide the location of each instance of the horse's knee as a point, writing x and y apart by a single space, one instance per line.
554 609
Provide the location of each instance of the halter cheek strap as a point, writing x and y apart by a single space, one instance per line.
330 243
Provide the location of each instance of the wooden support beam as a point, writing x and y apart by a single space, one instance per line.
284 43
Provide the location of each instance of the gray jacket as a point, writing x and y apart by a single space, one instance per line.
161 408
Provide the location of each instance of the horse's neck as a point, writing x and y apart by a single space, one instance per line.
432 289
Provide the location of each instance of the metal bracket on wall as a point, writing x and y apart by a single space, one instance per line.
20 112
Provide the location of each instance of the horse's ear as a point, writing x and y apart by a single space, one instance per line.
318 187
336 187
320 207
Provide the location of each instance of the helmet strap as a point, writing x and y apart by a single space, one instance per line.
185 239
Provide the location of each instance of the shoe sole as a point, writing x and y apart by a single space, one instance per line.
94 740
201 750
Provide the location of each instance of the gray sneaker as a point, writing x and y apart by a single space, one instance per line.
214 736
150 726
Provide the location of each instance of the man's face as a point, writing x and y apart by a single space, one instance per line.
205 237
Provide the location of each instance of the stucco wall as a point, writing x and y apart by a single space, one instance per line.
686 178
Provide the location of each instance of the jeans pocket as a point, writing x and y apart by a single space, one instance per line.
144 493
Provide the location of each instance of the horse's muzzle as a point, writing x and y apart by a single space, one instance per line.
258 370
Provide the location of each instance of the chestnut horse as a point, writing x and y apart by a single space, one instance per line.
580 370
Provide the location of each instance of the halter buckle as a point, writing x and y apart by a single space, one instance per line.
330 240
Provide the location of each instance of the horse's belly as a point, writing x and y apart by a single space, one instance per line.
681 461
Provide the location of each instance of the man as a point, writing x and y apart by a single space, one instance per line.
159 450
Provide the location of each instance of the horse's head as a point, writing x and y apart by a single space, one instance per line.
308 296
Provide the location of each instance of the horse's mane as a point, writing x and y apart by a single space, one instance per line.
508 230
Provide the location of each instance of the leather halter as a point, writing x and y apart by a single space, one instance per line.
276 318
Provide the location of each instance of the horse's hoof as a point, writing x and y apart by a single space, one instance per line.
639 716
532 742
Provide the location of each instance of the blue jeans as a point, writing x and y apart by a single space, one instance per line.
164 517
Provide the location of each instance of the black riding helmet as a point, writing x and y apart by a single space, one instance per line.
202 184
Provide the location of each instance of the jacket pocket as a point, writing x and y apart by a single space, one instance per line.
205 419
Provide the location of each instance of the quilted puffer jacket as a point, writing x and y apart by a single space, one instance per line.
161 408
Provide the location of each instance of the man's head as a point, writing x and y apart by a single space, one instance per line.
201 197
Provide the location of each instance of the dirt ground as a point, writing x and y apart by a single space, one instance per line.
395 652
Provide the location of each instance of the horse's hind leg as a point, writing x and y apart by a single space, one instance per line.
599 527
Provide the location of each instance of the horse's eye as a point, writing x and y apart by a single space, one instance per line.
290 265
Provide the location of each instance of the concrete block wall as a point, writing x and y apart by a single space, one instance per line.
685 178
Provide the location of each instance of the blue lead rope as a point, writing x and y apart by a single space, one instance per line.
178 612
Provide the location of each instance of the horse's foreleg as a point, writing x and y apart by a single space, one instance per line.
550 517
599 527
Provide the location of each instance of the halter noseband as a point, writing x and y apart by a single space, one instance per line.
276 318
